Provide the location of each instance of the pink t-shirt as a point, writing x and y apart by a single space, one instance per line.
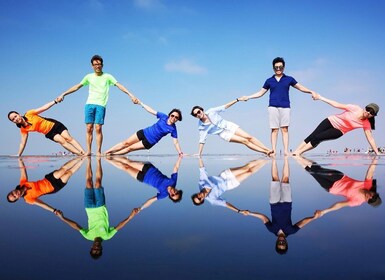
351 189
349 119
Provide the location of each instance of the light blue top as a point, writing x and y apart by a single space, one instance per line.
216 125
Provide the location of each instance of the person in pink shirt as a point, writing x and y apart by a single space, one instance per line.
335 126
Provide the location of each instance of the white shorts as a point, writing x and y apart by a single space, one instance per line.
280 192
231 181
278 117
229 131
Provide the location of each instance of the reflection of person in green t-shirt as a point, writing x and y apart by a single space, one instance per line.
98 221
99 84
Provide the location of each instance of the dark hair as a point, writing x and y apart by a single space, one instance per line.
14 112
18 187
277 60
375 201
96 57
177 111
372 122
180 192
195 107
195 195
279 250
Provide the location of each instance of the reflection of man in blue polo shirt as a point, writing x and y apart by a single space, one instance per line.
279 102
280 204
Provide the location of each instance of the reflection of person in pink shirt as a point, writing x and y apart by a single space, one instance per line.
335 126
335 182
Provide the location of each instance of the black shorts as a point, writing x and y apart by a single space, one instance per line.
57 128
57 184
141 174
144 140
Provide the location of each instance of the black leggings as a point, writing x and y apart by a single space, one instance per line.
325 177
324 131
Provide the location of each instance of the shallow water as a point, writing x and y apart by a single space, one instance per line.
181 241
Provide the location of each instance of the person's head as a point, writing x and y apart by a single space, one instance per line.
96 249
374 198
281 245
175 115
97 63
15 117
174 194
198 198
197 112
371 111
278 65
14 195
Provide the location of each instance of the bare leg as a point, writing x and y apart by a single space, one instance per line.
99 139
250 138
89 137
286 171
131 167
273 138
242 173
73 142
72 170
123 145
303 148
285 139
60 139
247 143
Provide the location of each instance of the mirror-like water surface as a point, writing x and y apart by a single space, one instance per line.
326 210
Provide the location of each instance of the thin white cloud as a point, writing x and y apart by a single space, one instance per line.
149 4
185 66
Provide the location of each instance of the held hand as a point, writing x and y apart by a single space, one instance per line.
245 212
243 98
135 100
318 214
315 96
59 99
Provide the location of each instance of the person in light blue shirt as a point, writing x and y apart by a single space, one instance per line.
146 138
211 122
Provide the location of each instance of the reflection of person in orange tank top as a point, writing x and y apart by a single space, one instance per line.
52 129
52 182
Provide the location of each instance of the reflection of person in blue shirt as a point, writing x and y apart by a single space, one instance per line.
150 175
212 187
280 204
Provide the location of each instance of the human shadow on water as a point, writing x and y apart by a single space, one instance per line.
356 192
281 206
31 191
212 187
147 173
98 221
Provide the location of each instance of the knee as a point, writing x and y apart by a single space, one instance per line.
90 129
98 129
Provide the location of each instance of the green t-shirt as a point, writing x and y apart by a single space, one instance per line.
99 87
98 224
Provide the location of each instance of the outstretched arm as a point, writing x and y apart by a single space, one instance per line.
331 102
307 220
69 222
122 88
133 213
200 149
372 143
231 103
23 142
258 94
147 108
60 98
177 165
232 207
304 89
334 207
45 107
44 205
148 203
370 172
177 146
260 216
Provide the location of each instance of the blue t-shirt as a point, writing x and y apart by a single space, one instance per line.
156 132
158 180
281 219
279 91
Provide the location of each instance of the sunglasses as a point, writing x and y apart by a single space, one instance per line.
174 116
278 68
370 111
197 112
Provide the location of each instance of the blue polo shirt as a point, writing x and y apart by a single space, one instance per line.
158 180
155 132
279 91
281 219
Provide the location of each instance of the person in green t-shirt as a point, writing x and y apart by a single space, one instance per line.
95 108
97 213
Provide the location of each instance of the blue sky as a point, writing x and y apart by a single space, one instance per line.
185 53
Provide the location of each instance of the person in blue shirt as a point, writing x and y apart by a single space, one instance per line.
279 102
150 175
146 138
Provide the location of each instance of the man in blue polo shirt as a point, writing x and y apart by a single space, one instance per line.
279 102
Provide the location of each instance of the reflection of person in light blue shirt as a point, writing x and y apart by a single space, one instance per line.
211 122
212 187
